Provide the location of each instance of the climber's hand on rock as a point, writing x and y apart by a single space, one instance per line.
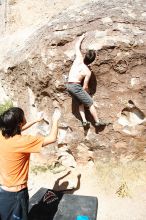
81 38
79 175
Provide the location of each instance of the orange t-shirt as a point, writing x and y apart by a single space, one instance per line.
14 158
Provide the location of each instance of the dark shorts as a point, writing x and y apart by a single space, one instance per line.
14 205
76 90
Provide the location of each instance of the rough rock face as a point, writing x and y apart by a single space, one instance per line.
34 65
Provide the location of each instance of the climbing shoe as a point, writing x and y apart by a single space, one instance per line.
86 124
100 123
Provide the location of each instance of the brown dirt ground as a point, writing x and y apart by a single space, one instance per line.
120 189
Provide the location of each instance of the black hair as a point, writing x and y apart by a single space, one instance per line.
10 122
89 57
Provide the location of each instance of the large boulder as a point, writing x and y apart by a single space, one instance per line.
34 65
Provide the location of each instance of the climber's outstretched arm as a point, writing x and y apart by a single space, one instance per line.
79 56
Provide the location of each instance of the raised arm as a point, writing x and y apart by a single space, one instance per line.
79 56
52 137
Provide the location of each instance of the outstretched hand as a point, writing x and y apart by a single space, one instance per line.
56 115
40 117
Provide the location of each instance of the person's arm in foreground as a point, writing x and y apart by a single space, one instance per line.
52 137
29 124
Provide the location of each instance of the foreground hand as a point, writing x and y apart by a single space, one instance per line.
40 116
56 115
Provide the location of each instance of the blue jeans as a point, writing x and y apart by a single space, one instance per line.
14 205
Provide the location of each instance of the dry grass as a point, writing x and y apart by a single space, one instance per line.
121 179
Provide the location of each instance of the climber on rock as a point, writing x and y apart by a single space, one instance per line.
78 80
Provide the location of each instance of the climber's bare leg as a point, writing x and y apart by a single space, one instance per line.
94 113
96 119
82 112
